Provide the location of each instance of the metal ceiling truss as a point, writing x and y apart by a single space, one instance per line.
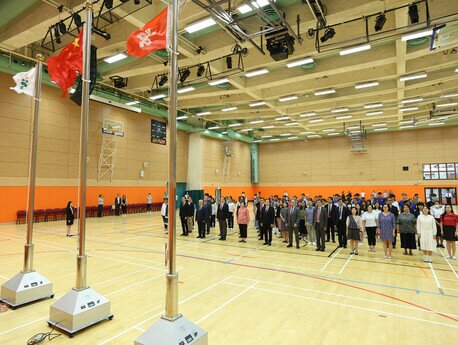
238 28
356 136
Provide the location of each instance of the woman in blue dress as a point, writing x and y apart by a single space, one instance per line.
386 228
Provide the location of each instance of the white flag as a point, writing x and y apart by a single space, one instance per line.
25 82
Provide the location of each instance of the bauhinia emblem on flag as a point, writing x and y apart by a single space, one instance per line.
63 68
25 82
152 37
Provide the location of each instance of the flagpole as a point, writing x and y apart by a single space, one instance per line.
82 306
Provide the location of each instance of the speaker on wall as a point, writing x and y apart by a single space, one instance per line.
405 168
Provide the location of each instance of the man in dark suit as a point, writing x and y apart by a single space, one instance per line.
268 221
339 221
395 211
259 216
182 214
222 214
117 202
320 222
208 207
292 223
190 213
201 218
330 230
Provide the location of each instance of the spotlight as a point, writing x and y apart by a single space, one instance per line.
163 80
62 27
413 14
137 2
229 62
200 70
184 75
379 22
108 4
328 34
77 20
57 34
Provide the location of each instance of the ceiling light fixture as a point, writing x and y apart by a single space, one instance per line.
373 105
324 92
336 133
214 127
256 122
200 70
246 129
256 4
316 120
450 95
436 123
380 129
446 105
292 138
218 82
379 125
314 136
415 35
292 124
365 85
281 118
182 117
379 22
203 113
266 136
234 124
255 73
307 114
163 80
408 126
413 76
274 139
285 134
329 130
186 89
229 109
257 104
408 109
155 97
355 50
372 113
339 110
133 102
200 25
268 127
328 34
184 75
299 62
343 117
289 98
411 100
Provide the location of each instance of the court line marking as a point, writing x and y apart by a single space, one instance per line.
448 262
140 329
134 285
227 302
330 260
351 306
23 325
241 256
6 278
346 263
121 276
161 312
344 296
435 278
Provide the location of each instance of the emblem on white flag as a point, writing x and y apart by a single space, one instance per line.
25 82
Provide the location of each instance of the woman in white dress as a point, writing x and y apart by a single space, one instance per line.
426 229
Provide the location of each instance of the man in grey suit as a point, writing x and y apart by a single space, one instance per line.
320 222
292 223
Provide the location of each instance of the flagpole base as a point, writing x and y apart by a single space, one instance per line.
79 309
177 331
26 287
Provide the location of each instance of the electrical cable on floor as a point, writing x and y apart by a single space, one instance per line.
40 337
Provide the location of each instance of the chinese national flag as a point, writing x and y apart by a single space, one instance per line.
63 68
152 37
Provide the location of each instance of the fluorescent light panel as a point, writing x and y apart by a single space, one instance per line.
413 76
285 134
214 127
379 125
256 4
355 49
157 96
186 89
246 129
417 35
266 136
408 109
200 25
268 127
339 110
292 138
343 117
436 124
292 124
229 109
372 113
307 114
329 130
373 105
408 126
286 99
299 62
133 102
204 113
234 124
446 105
336 133
380 129
316 120
411 100
182 117
257 104
255 73
324 92
282 118
115 58
366 85
314 136
218 82
450 95
256 121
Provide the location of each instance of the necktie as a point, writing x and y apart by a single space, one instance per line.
340 213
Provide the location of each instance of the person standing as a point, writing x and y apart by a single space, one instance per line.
320 223
284 219
222 214
311 236
182 214
149 203
406 226
243 219
448 197
341 213
231 208
268 221
117 203
213 214
303 217
386 227
330 230
124 206
436 211
354 230
426 229
449 230
395 211
201 218
292 223
369 219
259 216
70 217
278 220
165 214
100 206
190 213
208 207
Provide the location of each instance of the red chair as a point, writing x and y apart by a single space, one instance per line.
56 214
93 211
49 212
62 213
107 211
21 215
39 214
143 207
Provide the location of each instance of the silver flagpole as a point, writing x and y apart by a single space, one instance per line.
28 285
82 306
173 328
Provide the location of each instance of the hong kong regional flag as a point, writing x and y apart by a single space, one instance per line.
63 68
152 37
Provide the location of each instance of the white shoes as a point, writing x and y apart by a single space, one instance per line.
448 257
453 257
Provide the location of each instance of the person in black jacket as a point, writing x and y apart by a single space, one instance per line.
208 207
70 215
222 214
190 213
182 214
202 218
259 211
339 221
267 222
330 230
395 211
117 203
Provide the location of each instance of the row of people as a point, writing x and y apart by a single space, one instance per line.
120 205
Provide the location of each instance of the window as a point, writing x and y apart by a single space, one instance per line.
440 171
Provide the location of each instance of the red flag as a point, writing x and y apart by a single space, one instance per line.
151 37
63 67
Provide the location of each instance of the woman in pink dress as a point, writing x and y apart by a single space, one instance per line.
243 219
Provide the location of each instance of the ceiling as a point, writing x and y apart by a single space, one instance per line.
307 115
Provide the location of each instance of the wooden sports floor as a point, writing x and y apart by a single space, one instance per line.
239 293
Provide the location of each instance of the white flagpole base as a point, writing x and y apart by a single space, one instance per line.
179 331
26 287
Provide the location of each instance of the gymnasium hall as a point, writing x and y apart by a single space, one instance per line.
228 172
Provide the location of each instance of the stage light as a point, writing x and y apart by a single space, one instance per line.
57 35
108 4
163 80
184 75
62 28
413 14
380 21
328 34
229 62
137 2
77 20
200 70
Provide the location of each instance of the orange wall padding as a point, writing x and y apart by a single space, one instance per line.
15 198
